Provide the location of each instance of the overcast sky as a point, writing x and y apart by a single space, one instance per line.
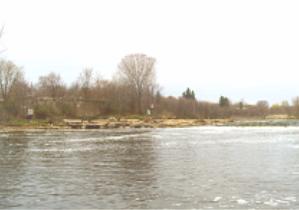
242 49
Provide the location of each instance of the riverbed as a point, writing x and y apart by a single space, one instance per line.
198 167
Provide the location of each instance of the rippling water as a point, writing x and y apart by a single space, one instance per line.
206 167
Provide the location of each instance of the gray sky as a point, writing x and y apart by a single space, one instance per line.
242 49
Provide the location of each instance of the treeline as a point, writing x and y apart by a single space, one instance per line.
133 91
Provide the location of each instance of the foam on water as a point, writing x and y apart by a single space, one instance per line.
271 202
295 146
218 198
282 202
242 202
98 139
232 135
290 198
62 150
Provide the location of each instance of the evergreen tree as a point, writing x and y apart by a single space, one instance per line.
241 105
224 101
189 94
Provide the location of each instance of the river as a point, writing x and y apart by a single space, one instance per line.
199 167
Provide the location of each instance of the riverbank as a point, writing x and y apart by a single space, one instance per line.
110 123
113 123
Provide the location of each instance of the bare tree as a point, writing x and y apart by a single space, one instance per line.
286 108
296 106
138 72
262 108
10 74
86 81
85 78
51 85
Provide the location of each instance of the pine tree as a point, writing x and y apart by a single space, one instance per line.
224 101
189 94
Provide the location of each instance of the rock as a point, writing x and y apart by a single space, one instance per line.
112 119
148 119
110 125
137 125
92 126
76 126
147 125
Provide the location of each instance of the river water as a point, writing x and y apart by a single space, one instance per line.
204 167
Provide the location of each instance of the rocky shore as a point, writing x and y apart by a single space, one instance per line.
113 123
146 123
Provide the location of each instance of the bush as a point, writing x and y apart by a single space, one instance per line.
45 112
67 110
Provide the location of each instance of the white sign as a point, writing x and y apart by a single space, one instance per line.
148 112
30 112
